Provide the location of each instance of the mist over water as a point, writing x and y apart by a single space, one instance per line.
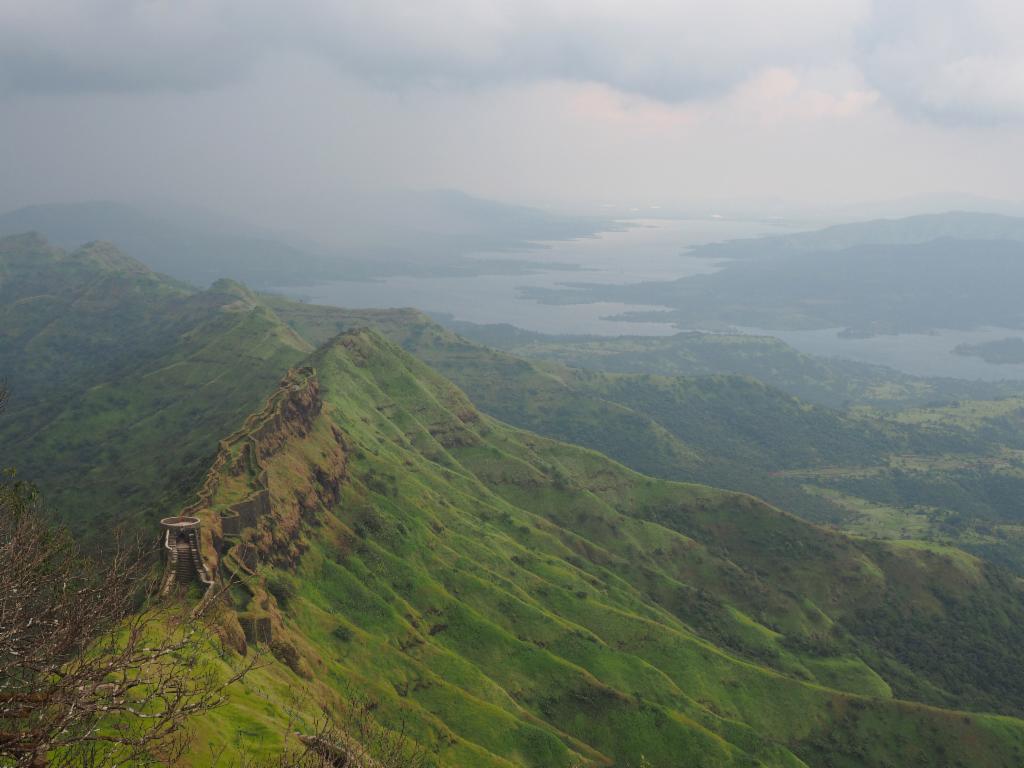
646 249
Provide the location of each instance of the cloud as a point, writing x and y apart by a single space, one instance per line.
672 51
947 60
287 110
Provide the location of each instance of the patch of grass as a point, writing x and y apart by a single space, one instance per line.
713 625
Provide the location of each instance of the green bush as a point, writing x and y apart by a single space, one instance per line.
282 587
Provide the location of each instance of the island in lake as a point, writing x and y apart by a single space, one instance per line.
1001 352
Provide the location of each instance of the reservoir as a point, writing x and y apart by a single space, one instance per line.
645 249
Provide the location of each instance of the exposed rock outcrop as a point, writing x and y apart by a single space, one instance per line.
261 493
255 495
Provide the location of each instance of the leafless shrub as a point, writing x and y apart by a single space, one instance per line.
90 675
350 738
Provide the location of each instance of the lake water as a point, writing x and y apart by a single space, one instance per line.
649 249
921 354
646 250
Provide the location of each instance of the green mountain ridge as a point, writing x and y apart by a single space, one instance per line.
525 602
516 600
87 352
946 472
122 380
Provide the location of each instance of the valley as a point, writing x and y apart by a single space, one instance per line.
509 597
953 271
511 384
492 587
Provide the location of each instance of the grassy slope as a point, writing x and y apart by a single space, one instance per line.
725 431
560 605
122 380
713 416
524 602
831 382
948 473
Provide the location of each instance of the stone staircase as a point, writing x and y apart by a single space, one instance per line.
184 568
184 563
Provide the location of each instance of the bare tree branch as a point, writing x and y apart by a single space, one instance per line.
89 674
350 738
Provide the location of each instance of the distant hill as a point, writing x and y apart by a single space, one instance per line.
399 233
958 225
121 378
198 254
833 382
1000 352
915 275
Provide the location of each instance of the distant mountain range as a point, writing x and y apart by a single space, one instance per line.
957 225
953 270
195 252
413 233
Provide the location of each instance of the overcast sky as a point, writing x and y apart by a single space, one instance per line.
280 111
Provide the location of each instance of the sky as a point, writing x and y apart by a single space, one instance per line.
282 112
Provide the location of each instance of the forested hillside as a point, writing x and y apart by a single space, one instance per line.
950 473
519 601
122 380
512 599
112 366
834 382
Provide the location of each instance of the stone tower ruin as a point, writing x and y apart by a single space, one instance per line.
181 550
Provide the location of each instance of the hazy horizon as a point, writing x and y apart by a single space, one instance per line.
285 115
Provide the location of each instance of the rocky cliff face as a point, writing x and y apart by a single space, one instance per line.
272 480
263 488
